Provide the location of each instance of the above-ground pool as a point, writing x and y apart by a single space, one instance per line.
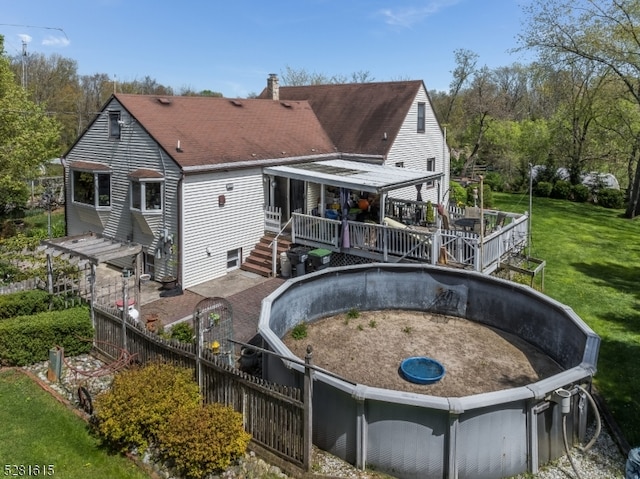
492 434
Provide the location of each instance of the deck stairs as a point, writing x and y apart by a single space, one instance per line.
260 261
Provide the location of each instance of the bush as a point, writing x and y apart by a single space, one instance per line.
24 303
610 198
160 405
580 193
495 181
561 190
457 193
200 441
487 195
182 332
543 189
132 412
27 339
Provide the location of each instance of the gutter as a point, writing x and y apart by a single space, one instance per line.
259 163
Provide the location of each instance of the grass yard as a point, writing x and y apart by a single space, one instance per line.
592 259
39 431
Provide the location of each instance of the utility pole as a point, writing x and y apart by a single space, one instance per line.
24 64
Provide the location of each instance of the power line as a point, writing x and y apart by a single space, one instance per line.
35 26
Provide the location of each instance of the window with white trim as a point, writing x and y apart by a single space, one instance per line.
91 188
146 195
234 257
431 166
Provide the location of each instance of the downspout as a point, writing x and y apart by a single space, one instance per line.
179 217
67 200
164 207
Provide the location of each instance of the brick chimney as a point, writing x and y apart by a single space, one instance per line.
273 87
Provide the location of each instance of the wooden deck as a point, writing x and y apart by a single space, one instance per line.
431 244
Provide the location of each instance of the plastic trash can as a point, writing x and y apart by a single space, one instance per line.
320 258
298 257
285 265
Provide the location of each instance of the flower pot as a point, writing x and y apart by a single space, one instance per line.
169 282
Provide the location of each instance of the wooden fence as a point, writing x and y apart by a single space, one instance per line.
274 415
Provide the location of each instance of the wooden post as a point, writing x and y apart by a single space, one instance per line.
308 409
92 297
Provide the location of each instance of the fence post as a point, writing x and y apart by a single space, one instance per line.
198 326
49 274
125 312
308 410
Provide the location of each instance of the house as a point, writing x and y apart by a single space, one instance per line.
393 120
189 178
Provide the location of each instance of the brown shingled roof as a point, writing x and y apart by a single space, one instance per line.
357 115
214 131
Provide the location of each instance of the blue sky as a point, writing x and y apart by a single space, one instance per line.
232 46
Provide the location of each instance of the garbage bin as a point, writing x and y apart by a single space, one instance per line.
285 265
320 258
298 257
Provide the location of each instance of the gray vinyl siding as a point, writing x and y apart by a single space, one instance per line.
134 150
413 149
205 224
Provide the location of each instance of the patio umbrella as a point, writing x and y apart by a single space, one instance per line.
344 202
419 195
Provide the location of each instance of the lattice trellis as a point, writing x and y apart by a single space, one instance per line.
216 324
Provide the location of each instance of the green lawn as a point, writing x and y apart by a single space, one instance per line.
38 430
592 259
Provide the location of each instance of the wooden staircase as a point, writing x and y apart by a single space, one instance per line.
259 260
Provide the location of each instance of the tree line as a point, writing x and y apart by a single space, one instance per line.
576 106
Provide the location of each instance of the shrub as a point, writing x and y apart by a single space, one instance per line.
28 339
494 180
200 441
430 213
24 303
182 332
487 195
132 412
457 193
610 198
543 189
579 193
561 190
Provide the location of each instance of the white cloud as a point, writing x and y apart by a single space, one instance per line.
25 38
52 41
406 17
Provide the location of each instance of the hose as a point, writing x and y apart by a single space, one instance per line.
593 439
598 420
566 446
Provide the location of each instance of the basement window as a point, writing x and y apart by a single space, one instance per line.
234 257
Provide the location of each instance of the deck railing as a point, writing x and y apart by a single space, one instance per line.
322 232
413 243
